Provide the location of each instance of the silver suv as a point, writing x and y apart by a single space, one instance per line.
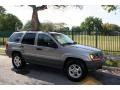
54 50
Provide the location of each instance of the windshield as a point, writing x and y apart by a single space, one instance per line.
63 39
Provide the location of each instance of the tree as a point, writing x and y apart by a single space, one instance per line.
27 26
76 28
66 29
109 29
110 8
47 26
91 24
35 21
2 10
9 22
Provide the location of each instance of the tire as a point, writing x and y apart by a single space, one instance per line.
75 70
17 61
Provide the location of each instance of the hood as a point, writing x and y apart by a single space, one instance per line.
83 48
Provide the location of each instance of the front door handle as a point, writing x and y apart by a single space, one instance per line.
38 48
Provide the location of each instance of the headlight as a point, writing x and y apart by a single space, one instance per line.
96 56
91 56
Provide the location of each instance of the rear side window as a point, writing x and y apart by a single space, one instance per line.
29 38
15 37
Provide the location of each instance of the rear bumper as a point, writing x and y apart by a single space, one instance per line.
94 65
8 53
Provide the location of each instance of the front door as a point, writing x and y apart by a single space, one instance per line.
46 53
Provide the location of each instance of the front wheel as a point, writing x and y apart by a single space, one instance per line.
17 61
75 71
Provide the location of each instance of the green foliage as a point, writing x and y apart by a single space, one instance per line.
2 51
2 10
110 29
110 8
27 26
66 29
113 63
9 22
76 28
91 24
47 26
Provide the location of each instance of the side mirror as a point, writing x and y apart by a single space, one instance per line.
52 44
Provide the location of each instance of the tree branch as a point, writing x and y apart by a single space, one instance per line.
43 7
33 6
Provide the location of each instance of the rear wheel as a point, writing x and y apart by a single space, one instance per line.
17 61
75 70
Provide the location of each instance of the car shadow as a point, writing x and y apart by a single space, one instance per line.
56 76
106 78
47 74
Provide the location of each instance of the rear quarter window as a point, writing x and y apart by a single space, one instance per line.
15 37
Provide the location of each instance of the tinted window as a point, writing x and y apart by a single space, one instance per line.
15 37
29 38
44 40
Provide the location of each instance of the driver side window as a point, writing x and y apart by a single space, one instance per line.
44 40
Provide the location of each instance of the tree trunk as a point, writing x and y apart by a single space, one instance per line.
35 20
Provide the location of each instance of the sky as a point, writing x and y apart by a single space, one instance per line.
71 16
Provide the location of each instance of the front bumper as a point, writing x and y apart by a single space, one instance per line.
94 65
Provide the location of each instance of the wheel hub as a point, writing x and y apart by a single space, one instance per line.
17 61
75 71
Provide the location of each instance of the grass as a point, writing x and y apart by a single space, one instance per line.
3 41
2 51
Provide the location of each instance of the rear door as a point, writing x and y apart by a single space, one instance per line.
28 46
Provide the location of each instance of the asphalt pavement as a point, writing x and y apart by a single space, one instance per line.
39 75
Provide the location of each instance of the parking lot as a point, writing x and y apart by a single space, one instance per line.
39 75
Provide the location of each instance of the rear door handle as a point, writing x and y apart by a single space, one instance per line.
38 48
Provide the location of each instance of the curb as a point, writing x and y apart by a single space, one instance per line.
110 57
111 68
3 54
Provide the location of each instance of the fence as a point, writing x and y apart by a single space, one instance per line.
108 43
